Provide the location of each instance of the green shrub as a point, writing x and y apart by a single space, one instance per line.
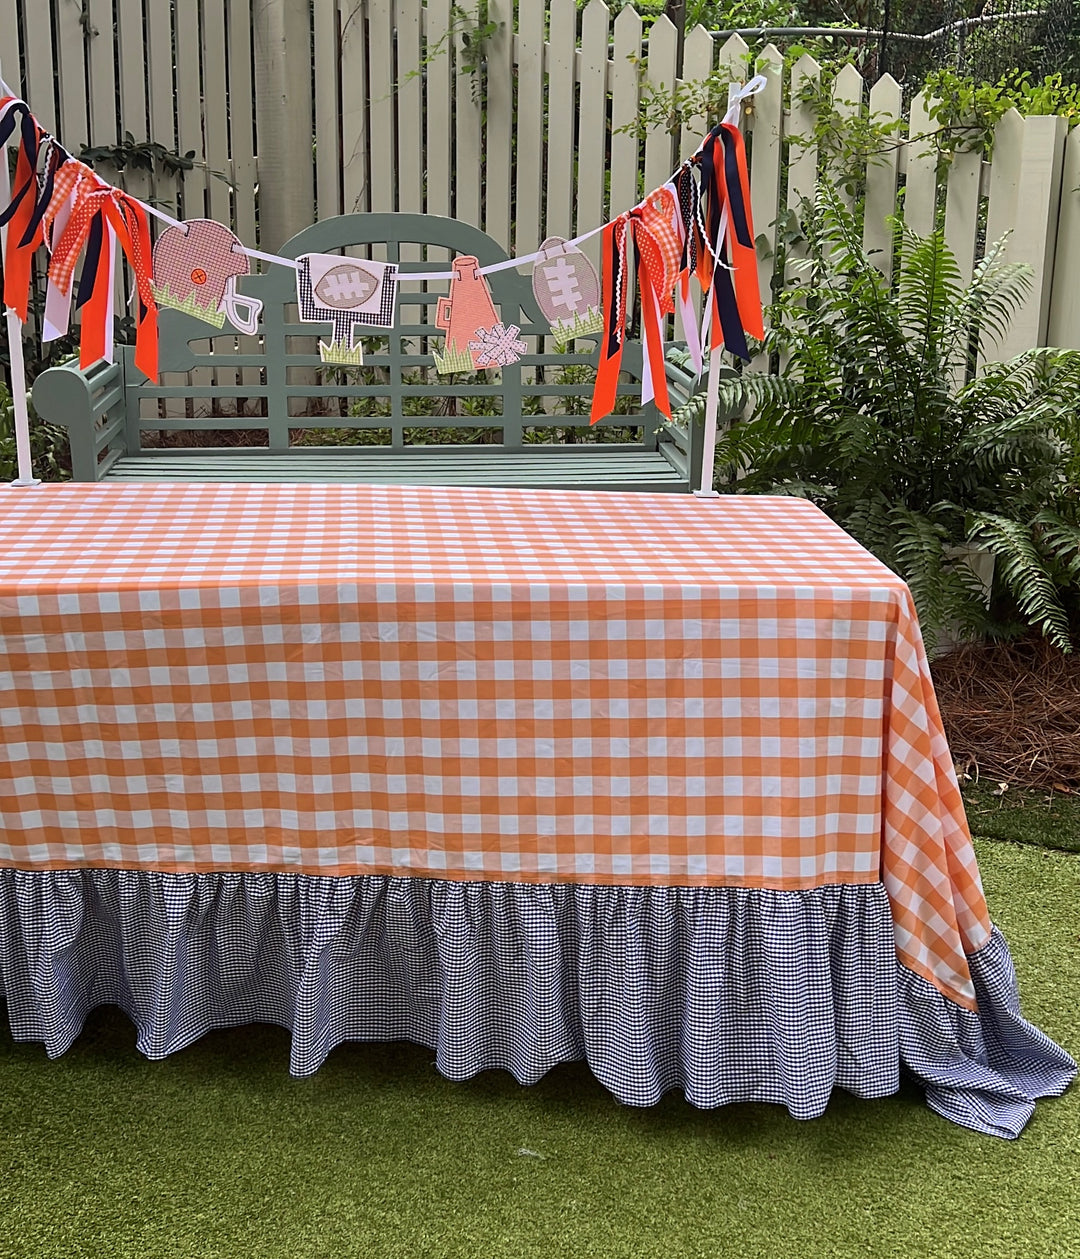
48 445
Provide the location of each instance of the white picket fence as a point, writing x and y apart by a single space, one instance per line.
392 119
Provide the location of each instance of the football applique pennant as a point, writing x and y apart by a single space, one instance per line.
567 290
347 293
476 338
195 270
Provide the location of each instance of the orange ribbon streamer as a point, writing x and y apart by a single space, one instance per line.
650 228
127 220
18 257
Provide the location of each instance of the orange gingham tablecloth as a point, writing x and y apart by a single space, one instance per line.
475 683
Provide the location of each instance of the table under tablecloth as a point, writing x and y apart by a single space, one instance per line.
523 775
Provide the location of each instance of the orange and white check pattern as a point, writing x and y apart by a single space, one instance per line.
475 684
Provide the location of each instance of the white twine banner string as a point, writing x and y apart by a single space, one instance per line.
740 94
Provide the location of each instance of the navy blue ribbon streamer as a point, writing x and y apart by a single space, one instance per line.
718 185
88 277
727 308
45 195
733 185
689 210
617 279
29 143
709 185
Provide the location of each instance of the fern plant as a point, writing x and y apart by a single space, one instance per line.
890 413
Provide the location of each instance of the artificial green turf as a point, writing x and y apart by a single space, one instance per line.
216 1152
1050 819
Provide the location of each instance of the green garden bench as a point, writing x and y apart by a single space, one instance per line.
525 425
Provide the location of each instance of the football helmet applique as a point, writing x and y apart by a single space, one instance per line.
195 270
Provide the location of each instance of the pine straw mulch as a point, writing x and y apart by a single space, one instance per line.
1012 712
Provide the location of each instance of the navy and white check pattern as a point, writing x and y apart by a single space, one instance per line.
983 1070
343 320
728 994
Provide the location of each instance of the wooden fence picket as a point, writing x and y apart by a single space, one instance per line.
802 157
498 149
962 209
561 58
438 110
920 189
529 175
1041 159
1063 328
40 64
847 100
698 53
1003 207
732 56
465 174
661 69
766 165
381 112
10 23
215 108
71 77
327 121
626 181
409 107
592 104
881 176
189 116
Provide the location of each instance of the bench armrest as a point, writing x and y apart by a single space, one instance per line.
92 406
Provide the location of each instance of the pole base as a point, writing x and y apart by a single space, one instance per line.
706 494
24 480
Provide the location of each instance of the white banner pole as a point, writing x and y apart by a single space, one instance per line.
712 405
736 95
15 350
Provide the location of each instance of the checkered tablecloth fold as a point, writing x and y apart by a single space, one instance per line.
985 1069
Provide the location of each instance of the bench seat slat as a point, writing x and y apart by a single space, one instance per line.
538 468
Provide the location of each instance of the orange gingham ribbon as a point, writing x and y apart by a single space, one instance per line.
650 227
127 220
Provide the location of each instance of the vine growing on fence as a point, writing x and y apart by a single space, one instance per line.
849 137
475 30
146 155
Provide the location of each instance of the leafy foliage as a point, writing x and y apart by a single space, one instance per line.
888 416
968 111
48 445
145 155
474 31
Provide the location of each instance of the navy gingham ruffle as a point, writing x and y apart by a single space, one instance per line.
727 994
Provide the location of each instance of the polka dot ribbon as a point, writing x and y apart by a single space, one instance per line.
126 219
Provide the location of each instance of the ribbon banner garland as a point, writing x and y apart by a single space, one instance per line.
695 226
